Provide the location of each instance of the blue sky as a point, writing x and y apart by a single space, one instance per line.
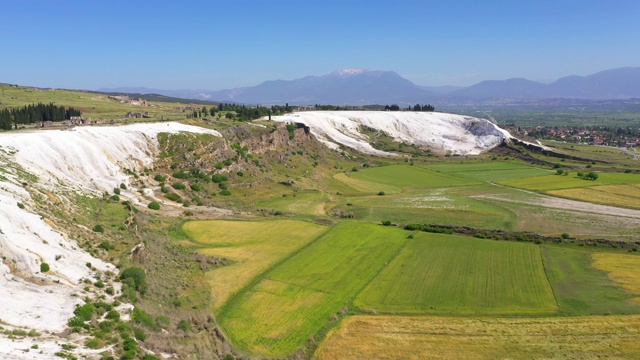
223 44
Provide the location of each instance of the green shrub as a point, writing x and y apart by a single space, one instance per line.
154 205
381 193
139 334
204 177
184 325
44 267
218 178
116 191
240 173
137 276
98 228
93 344
178 186
106 245
195 187
164 189
180 175
113 315
141 317
174 197
160 178
21 205
84 312
129 355
225 192
75 322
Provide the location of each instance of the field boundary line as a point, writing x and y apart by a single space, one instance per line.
352 300
263 275
546 275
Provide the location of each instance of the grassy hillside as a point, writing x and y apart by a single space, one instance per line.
94 105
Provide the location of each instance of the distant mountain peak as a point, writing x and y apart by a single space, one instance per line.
348 72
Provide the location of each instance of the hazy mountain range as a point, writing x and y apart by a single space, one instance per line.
360 86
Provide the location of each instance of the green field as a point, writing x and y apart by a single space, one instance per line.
310 202
253 246
293 301
580 288
462 275
555 182
405 176
437 206
489 170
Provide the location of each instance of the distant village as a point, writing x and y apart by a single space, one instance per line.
591 135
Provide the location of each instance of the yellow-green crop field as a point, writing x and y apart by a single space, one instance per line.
431 337
556 182
616 195
623 269
582 288
311 202
254 246
454 274
297 298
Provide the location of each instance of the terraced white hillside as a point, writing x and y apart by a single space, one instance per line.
87 160
455 134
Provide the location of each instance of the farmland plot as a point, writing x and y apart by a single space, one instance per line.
401 176
453 274
254 246
622 269
615 195
582 289
489 170
297 298
556 182
434 337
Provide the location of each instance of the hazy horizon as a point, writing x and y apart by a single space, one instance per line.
214 45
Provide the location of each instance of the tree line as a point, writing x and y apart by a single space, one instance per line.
241 112
31 114
416 107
